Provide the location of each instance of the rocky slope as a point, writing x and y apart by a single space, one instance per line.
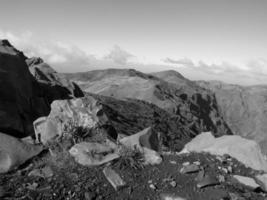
243 108
196 107
25 97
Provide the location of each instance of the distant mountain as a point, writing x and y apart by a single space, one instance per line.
195 106
26 94
243 108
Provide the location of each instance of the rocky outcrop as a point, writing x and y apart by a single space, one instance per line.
53 85
245 151
69 114
195 106
243 108
24 97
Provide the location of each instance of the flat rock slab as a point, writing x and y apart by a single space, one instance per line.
114 179
207 181
192 168
247 181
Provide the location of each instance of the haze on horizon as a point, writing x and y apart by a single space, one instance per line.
202 39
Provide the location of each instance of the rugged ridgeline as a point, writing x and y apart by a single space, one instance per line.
195 107
27 88
243 108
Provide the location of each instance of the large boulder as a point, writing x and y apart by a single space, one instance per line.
147 143
25 97
145 138
80 112
14 152
244 150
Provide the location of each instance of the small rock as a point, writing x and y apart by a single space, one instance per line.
207 181
197 163
189 169
113 178
173 183
247 181
152 186
225 170
32 186
219 158
230 169
221 178
186 163
173 162
165 196
89 195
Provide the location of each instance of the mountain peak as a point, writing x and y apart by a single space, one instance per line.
7 48
5 42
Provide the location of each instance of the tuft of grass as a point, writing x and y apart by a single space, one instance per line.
130 158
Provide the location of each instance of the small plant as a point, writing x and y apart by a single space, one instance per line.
77 133
129 157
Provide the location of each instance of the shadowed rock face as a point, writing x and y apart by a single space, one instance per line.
243 108
195 106
25 97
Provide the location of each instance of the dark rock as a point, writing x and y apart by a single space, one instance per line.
24 97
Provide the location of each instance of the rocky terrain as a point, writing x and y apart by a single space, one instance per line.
243 108
195 106
123 135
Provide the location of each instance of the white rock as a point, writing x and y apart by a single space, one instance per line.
93 154
244 150
250 182
170 197
82 112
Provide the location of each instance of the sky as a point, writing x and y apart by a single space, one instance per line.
202 39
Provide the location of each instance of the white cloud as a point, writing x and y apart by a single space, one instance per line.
119 56
65 57
252 72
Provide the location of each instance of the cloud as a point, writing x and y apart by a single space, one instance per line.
252 72
184 61
119 56
64 57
